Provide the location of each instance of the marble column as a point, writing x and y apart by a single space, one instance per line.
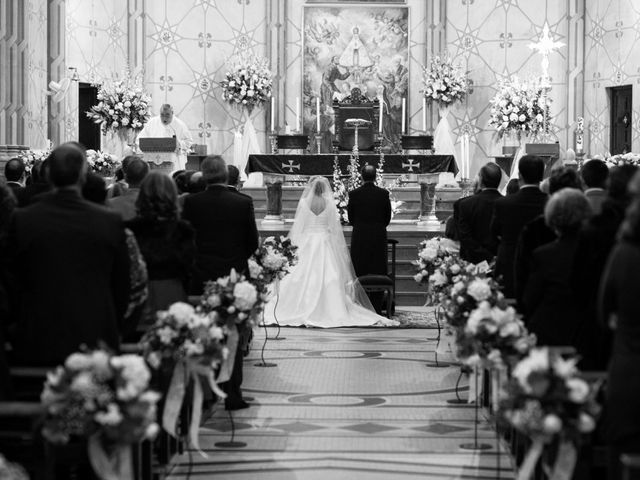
428 219
57 66
274 215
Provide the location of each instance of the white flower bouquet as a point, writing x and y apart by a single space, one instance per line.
11 471
248 81
444 82
431 254
340 193
623 159
519 109
103 398
122 104
493 336
272 261
102 163
30 157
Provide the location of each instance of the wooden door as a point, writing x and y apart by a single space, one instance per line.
621 114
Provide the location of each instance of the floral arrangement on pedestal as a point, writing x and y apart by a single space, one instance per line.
105 399
190 346
248 81
11 471
123 107
431 254
30 157
443 81
102 163
519 108
273 260
623 159
547 401
493 337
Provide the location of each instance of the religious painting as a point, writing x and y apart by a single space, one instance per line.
355 46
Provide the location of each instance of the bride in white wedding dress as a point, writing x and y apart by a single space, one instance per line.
322 289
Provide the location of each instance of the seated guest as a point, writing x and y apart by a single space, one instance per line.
512 213
167 243
125 203
513 186
619 309
547 299
595 243
226 236
15 173
70 263
94 189
594 175
537 233
473 217
38 185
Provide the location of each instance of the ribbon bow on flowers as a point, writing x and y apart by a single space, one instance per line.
547 400
192 344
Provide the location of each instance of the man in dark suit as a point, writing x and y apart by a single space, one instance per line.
594 175
70 260
233 178
15 172
369 213
226 236
512 213
135 171
473 217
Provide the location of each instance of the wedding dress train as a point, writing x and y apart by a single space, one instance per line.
321 291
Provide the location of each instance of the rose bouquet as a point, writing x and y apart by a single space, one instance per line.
273 260
248 81
104 398
431 254
547 400
444 82
122 104
102 163
519 108
492 336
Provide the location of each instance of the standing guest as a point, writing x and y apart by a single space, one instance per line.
69 259
513 186
167 243
537 233
94 189
594 175
473 217
233 180
548 296
8 204
513 212
39 185
15 173
226 236
369 213
619 310
197 183
134 172
597 239
120 185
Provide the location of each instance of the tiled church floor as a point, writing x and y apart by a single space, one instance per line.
348 404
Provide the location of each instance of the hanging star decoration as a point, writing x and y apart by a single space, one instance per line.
545 46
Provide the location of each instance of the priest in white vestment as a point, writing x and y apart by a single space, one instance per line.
168 125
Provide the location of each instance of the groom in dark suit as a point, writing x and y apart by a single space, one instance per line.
226 236
369 213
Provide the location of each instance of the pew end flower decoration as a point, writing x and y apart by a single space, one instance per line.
444 82
432 253
31 157
547 400
272 261
102 163
105 399
248 81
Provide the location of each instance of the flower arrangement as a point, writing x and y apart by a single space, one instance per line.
431 254
547 400
623 159
122 104
248 81
340 192
272 261
102 163
492 335
519 108
102 397
11 471
30 157
444 82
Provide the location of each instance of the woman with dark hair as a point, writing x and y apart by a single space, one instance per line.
167 243
619 310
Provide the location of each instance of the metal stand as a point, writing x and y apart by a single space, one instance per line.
437 339
476 407
457 400
275 315
231 443
318 138
266 338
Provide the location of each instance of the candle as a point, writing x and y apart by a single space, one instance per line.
404 121
273 114
462 157
318 114
424 114
381 114
297 127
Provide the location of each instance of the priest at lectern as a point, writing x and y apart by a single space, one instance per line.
168 125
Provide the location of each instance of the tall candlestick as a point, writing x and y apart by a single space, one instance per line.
404 118
297 114
381 114
273 114
424 114
318 114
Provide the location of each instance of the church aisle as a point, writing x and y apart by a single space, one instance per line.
347 404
